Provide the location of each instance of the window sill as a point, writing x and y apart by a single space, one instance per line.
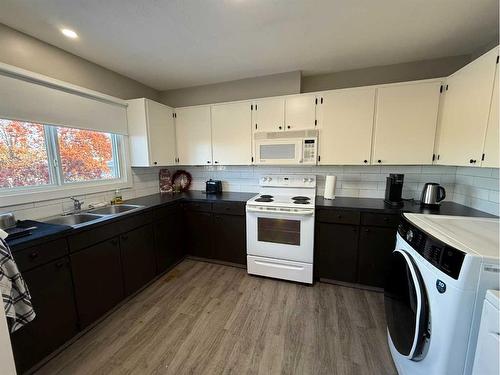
15 197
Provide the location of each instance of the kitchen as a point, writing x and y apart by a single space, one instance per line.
175 202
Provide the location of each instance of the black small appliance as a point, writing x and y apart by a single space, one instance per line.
394 189
213 186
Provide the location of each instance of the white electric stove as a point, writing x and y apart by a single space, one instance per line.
280 228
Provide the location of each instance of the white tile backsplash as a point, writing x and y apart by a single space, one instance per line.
474 187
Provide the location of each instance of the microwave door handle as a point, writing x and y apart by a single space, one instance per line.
299 213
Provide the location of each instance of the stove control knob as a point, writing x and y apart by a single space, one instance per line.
305 179
311 180
270 179
264 179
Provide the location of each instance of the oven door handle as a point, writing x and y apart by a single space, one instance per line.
297 213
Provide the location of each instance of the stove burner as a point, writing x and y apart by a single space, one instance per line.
266 196
301 198
263 200
301 201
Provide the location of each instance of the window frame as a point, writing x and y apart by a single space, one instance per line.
57 188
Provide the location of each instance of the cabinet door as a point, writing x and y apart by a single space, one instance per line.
491 154
97 276
232 133
405 123
375 246
300 112
193 132
268 115
161 134
229 238
55 323
338 251
346 123
465 112
138 258
199 227
168 241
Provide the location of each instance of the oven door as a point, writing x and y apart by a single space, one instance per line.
278 151
281 235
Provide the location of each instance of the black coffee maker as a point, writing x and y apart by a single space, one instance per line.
394 189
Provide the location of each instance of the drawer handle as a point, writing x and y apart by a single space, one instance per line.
34 255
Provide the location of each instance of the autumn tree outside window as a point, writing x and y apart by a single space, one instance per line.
33 155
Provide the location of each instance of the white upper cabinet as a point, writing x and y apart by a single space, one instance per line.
405 123
345 126
268 115
465 112
300 112
232 133
151 133
491 154
194 140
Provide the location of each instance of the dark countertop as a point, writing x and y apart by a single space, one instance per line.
46 232
378 205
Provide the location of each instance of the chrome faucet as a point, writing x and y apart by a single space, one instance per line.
77 204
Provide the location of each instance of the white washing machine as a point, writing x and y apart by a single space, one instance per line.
437 279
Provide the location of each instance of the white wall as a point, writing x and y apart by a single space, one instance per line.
474 187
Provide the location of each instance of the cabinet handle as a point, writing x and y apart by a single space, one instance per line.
216 162
60 264
34 255
365 161
379 161
155 163
471 161
124 237
208 161
367 230
289 127
279 127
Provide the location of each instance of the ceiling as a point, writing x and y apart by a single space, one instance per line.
168 44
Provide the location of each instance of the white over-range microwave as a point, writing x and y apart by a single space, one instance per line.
278 148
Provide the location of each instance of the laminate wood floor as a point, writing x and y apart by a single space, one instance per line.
204 318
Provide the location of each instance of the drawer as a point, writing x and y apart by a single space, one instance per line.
229 208
338 216
198 206
166 211
380 220
37 255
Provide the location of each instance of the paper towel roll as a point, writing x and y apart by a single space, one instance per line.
330 187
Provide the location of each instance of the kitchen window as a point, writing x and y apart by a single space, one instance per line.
34 156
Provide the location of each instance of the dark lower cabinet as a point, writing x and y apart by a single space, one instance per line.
338 251
199 227
56 321
97 276
138 258
168 239
375 246
229 238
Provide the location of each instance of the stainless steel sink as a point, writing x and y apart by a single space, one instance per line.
75 220
116 209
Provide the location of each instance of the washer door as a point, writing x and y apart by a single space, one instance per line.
406 306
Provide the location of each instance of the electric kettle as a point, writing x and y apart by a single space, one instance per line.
432 194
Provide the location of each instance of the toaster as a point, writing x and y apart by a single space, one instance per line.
213 186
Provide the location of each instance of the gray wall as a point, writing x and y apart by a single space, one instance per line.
385 74
293 83
29 53
248 88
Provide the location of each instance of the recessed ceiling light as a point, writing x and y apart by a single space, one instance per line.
69 33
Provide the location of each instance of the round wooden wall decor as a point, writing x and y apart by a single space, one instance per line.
181 180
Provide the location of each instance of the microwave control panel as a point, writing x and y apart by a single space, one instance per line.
309 151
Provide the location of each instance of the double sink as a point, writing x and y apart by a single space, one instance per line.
80 219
